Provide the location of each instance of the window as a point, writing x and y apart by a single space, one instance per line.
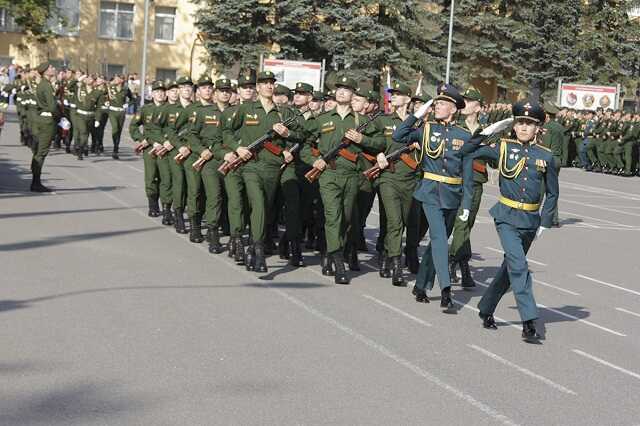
113 69
116 20
6 21
66 20
5 61
165 20
165 74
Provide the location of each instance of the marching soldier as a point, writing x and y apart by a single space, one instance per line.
525 168
339 183
152 117
118 95
44 125
252 121
177 123
439 191
87 98
554 140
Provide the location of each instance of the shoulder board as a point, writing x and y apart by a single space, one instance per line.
507 140
543 147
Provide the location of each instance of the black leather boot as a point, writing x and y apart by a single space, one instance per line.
238 254
488 321
260 264
154 209
396 272
167 216
36 184
446 302
231 248
114 154
283 247
420 294
180 226
214 240
79 153
249 258
295 254
341 276
467 281
352 252
326 264
384 271
453 275
195 236
529 333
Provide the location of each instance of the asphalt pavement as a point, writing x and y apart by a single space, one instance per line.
108 317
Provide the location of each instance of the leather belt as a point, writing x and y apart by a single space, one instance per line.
443 179
83 112
519 205
117 109
46 114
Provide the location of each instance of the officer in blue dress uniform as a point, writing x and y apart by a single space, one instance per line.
439 147
524 166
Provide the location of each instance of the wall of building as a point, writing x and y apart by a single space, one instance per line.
89 51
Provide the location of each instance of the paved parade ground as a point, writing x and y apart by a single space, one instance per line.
109 318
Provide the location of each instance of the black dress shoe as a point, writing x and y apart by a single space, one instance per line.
529 333
488 321
467 281
421 295
446 302
453 275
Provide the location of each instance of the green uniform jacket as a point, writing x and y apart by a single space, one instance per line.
330 128
206 129
45 99
553 139
385 126
117 95
153 118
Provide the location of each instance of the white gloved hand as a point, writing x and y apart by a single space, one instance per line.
96 123
422 111
497 127
540 231
465 215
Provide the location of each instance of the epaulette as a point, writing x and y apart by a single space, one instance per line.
511 141
544 147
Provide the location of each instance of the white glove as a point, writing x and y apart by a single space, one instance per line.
422 111
465 215
540 231
497 127
125 106
96 123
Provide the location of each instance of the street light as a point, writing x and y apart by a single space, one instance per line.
450 42
143 75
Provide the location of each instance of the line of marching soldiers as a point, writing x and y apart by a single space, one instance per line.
84 103
258 155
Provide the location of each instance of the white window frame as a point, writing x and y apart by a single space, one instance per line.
7 25
117 11
164 15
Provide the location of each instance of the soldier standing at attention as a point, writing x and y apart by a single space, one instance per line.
151 117
525 167
339 184
177 121
440 190
44 124
260 176
118 95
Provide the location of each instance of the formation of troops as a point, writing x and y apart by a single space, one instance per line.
252 158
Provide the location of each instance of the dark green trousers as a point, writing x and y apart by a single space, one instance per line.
397 198
261 184
460 248
339 192
234 186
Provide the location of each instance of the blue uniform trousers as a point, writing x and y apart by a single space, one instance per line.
514 273
435 260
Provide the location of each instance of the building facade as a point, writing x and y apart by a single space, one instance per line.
100 36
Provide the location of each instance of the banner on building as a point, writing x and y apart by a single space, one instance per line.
583 96
291 72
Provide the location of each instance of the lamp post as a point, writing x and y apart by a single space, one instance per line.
143 75
450 42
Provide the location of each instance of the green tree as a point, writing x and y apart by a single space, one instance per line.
32 16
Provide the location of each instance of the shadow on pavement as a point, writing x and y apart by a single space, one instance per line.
14 177
55 212
53 241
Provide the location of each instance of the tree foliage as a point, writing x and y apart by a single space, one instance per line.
32 16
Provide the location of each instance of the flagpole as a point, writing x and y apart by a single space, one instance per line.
450 42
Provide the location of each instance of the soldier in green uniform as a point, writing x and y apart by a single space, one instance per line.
44 124
177 120
460 250
152 117
260 175
281 95
625 145
395 185
554 140
102 116
118 95
87 97
237 207
203 140
596 139
339 185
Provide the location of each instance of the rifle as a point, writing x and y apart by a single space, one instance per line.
257 145
295 148
313 174
375 171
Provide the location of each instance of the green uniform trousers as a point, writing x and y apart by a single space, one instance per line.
84 126
291 194
178 180
397 198
116 119
339 193
205 183
102 117
44 130
157 177
592 150
234 186
460 249
261 184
